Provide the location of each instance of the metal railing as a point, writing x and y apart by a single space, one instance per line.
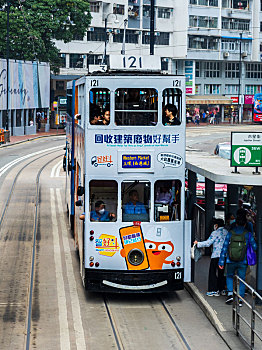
255 316
199 222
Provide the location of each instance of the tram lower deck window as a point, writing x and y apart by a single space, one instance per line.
135 107
167 200
103 200
135 201
172 104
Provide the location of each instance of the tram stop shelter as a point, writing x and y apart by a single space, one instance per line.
217 170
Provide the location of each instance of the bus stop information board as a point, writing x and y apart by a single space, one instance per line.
246 149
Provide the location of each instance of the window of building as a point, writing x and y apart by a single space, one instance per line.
235 24
260 5
161 38
164 12
135 200
236 4
167 199
62 60
213 89
211 69
203 21
146 10
233 45
254 70
97 34
198 89
172 107
164 63
198 69
94 6
60 85
76 60
232 70
78 37
253 89
94 59
132 36
99 106
203 43
103 196
231 89
204 2
135 107
118 9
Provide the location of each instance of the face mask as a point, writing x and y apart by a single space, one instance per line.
101 211
231 221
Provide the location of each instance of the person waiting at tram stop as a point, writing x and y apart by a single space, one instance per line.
216 278
170 115
134 206
100 214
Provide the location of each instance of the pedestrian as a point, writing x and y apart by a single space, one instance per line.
197 118
38 120
234 254
216 278
212 118
204 117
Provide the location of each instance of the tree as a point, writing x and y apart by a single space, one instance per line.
35 23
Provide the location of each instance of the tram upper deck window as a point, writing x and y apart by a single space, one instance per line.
135 107
172 104
103 200
99 106
167 200
135 200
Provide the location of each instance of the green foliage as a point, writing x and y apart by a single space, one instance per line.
35 23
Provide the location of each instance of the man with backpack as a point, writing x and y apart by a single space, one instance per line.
234 252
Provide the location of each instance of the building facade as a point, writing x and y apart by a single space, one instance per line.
217 44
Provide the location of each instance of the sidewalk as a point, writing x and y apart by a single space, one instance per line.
39 134
219 313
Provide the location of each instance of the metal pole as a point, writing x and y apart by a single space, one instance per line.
152 27
239 80
7 64
104 60
123 51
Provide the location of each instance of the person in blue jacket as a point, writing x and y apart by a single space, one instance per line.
134 206
238 267
100 214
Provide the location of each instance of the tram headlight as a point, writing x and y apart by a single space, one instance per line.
135 257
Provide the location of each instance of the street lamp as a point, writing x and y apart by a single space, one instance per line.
115 21
239 80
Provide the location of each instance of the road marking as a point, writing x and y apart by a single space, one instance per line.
9 165
56 169
78 325
63 322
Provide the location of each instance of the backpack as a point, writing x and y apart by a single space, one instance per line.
237 246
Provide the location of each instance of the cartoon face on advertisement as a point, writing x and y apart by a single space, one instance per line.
158 252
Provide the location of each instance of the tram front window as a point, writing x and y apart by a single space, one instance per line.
135 107
135 201
99 113
172 104
167 200
103 200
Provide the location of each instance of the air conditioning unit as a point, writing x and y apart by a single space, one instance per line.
117 31
147 33
226 54
137 32
164 59
244 54
91 29
157 33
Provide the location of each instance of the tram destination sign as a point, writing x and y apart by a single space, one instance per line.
135 63
246 149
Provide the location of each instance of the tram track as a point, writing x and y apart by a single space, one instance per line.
12 305
177 338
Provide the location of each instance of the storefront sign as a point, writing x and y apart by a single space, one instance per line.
249 99
190 74
234 99
246 149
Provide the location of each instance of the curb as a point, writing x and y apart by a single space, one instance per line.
32 138
227 336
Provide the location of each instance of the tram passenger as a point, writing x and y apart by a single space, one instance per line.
134 206
100 214
106 116
170 117
95 115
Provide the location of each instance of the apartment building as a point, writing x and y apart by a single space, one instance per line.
217 44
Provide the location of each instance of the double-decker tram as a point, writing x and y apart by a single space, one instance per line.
126 172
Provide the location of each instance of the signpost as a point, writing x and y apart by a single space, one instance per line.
246 150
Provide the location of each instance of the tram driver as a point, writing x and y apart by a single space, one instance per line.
100 214
134 206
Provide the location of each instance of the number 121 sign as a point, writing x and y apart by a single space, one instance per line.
133 62
246 149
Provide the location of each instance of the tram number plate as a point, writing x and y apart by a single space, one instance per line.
178 275
176 83
94 82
